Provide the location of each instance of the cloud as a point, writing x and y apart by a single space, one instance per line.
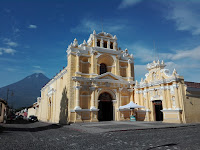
38 71
88 25
185 14
127 3
13 44
9 42
7 51
145 54
186 62
141 52
32 26
38 67
140 71
183 54
11 69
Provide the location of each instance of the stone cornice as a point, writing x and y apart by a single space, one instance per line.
137 91
157 82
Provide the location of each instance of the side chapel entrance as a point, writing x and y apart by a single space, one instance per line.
157 109
105 107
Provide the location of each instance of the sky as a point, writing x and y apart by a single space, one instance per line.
34 35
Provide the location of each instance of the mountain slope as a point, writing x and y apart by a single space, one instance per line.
25 91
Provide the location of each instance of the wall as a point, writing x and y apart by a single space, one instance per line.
31 111
2 105
192 106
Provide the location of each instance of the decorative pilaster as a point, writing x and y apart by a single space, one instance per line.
120 97
93 63
117 71
93 109
176 96
147 106
78 61
164 102
129 69
141 97
131 94
147 98
169 98
119 104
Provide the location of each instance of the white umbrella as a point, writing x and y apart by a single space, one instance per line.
131 105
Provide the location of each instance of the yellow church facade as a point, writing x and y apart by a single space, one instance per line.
167 97
99 78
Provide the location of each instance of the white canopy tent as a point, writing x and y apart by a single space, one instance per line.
131 105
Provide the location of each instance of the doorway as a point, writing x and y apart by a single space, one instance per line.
157 109
105 107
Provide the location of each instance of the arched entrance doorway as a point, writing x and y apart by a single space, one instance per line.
105 107
157 109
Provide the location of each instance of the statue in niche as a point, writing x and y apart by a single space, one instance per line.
172 90
153 76
160 92
173 102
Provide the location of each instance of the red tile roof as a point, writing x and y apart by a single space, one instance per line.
192 84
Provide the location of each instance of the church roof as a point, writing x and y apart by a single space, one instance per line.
192 84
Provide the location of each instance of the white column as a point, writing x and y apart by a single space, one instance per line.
95 41
92 98
108 44
101 43
77 97
115 45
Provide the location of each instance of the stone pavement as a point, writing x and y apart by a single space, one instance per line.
113 126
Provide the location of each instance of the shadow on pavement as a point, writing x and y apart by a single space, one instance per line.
35 129
160 146
18 122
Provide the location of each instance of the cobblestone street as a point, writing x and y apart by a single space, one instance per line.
99 136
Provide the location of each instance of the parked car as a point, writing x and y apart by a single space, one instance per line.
11 117
32 118
20 117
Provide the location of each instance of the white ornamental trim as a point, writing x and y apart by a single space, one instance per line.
58 76
157 82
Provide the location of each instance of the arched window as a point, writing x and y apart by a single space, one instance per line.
103 68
